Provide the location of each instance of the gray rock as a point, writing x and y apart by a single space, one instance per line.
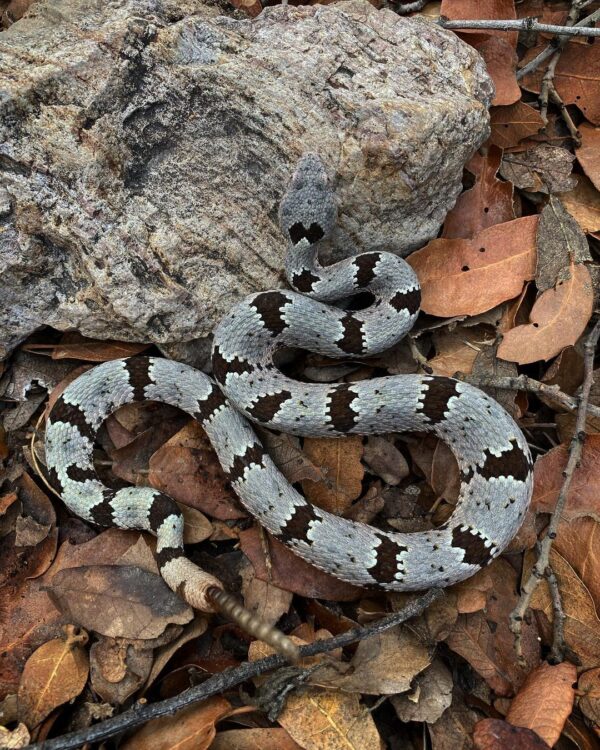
145 145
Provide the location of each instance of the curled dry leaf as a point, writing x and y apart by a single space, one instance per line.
118 601
54 674
513 123
584 493
467 277
488 202
190 729
545 700
558 318
75 346
187 469
117 669
588 154
341 460
495 734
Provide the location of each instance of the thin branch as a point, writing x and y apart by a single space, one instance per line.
559 646
523 383
551 48
539 570
523 24
229 678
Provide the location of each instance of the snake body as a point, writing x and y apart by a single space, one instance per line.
492 454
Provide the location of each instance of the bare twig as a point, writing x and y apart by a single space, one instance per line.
539 570
551 48
557 653
523 383
229 678
523 24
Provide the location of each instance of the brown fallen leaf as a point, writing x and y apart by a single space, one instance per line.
583 203
457 350
545 700
117 669
467 277
514 123
290 459
265 600
54 674
558 318
588 154
578 541
289 572
340 458
488 202
76 346
191 729
495 734
430 695
588 689
118 601
254 738
576 77
501 62
583 498
187 469
385 460
581 626
540 169
453 730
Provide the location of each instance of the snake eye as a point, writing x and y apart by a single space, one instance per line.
313 234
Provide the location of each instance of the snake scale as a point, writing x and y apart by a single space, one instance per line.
492 454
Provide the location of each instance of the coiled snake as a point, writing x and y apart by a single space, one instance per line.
492 454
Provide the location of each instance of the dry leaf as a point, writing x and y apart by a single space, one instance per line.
76 346
467 277
18 737
545 700
272 738
588 688
577 77
501 62
385 460
54 674
341 460
540 169
488 202
560 243
588 154
118 601
430 696
558 318
579 543
187 469
452 731
265 600
290 459
117 670
289 572
495 734
583 498
583 203
190 729
513 123
457 350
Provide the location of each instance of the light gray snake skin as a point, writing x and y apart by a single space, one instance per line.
493 456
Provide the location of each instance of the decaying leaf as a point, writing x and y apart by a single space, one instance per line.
558 318
255 738
191 729
54 674
430 695
495 734
560 243
15 738
514 123
118 601
385 460
588 154
457 350
578 541
540 169
467 277
264 599
452 731
117 669
289 457
589 689
545 700
501 61
341 460
488 202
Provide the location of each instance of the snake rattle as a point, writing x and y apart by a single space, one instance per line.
492 454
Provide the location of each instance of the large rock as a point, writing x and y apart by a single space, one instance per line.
145 146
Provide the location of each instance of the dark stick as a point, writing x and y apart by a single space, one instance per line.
229 678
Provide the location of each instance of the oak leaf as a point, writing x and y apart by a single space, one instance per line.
340 458
558 318
579 543
588 688
588 154
54 674
545 700
583 203
467 277
488 202
514 123
501 62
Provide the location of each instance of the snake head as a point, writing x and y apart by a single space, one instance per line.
308 211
